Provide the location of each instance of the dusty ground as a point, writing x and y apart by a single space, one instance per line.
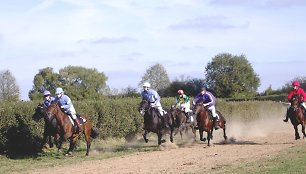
253 141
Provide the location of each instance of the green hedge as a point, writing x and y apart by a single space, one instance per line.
118 118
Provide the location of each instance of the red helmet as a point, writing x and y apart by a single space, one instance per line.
180 91
295 83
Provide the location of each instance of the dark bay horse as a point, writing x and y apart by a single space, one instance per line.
152 121
205 122
67 131
296 115
179 123
49 128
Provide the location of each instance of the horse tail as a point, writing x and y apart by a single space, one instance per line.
94 134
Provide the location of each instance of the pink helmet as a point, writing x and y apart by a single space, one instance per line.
180 91
295 83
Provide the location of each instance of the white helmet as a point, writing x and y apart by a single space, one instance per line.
146 84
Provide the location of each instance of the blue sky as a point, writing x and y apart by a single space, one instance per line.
123 38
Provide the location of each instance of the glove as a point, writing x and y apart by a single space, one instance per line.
152 104
62 107
206 104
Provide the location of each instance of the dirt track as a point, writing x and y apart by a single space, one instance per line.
256 140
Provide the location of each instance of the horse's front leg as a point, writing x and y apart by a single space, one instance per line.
297 136
171 134
145 136
72 143
59 145
160 140
201 135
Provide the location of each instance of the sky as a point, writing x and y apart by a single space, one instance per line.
123 38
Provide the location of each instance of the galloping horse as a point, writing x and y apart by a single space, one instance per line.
205 122
179 122
296 115
49 128
152 121
67 131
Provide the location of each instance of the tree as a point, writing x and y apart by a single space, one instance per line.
157 76
231 76
78 82
9 90
46 79
191 87
82 83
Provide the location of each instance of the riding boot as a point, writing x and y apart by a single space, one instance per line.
215 123
78 125
287 114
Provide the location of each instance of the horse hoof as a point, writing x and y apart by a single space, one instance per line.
296 138
68 154
203 139
163 141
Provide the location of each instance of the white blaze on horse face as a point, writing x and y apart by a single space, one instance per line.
142 112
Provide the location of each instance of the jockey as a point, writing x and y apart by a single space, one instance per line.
296 90
47 99
182 102
153 98
65 103
209 102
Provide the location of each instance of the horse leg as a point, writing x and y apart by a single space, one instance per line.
297 136
145 136
87 132
224 133
159 135
59 145
208 137
303 130
201 135
171 135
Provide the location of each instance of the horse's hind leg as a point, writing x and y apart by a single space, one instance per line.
87 132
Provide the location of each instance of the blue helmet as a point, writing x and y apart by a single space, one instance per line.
59 91
47 93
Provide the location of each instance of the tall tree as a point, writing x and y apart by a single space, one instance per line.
157 76
9 90
46 79
231 76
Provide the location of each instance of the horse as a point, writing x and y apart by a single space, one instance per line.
205 122
152 121
49 128
179 122
296 115
66 129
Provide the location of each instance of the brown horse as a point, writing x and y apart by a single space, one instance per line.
296 115
205 122
179 123
49 129
67 131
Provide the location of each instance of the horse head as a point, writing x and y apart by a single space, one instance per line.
295 101
40 112
143 107
53 110
198 108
